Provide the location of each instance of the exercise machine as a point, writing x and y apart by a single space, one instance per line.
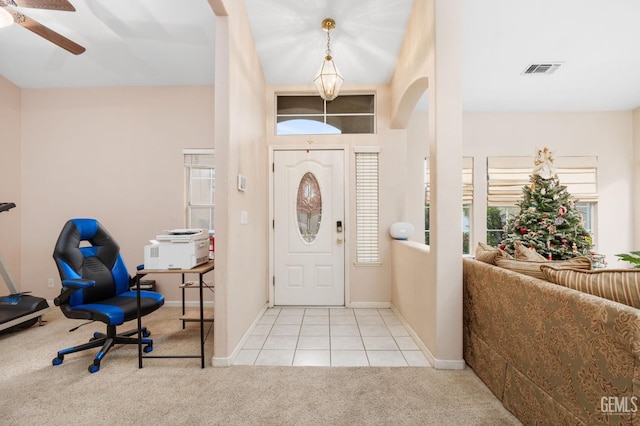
17 310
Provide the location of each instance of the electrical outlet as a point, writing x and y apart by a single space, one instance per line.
50 283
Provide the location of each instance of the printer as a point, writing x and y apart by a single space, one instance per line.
177 249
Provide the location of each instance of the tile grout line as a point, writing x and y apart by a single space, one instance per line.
330 351
366 354
306 315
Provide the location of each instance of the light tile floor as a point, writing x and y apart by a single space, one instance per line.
338 337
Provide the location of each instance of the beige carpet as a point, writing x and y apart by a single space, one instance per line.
179 392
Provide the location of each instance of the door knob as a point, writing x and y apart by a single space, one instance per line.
339 240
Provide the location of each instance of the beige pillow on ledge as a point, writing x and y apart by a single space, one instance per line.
526 253
487 254
532 268
619 285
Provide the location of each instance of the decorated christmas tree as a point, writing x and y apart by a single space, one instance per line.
548 220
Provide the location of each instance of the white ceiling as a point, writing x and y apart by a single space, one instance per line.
292 44
597 41
128 42
164 42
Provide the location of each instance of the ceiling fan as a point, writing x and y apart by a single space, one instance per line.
36 27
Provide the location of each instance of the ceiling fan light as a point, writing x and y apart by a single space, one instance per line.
5 18
328 81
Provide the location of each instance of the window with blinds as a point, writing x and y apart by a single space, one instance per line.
507 175
367 206
467 201
467 180
200 188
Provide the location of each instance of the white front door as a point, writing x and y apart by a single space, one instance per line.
309 227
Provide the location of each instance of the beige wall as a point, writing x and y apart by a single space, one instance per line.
413 297
636 182
10 123
445 162
241 249
414 67
114 154
435 29
417 151
607 135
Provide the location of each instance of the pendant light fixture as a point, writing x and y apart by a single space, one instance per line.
328 81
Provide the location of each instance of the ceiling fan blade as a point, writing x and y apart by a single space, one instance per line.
46 33
45 4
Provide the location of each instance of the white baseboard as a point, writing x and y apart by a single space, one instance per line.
450 364
170 303
220 362
439 364
369 305
187 304
228 361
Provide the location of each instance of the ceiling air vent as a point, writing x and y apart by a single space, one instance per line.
548 68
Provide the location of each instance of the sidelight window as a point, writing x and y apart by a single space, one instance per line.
367 206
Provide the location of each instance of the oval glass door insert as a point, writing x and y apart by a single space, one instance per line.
309 207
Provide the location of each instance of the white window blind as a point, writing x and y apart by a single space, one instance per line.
367 204
507 175
467 180
199 158
200 188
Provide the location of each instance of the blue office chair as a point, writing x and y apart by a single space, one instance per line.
95 287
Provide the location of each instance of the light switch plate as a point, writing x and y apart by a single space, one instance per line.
242 183
244 217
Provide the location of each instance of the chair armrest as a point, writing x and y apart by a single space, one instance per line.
134 280
70 286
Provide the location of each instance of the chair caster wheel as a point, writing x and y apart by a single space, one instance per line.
146 333
58 360
147 349
94 368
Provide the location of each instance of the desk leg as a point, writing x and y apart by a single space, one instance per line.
201 321
139 315
183 305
